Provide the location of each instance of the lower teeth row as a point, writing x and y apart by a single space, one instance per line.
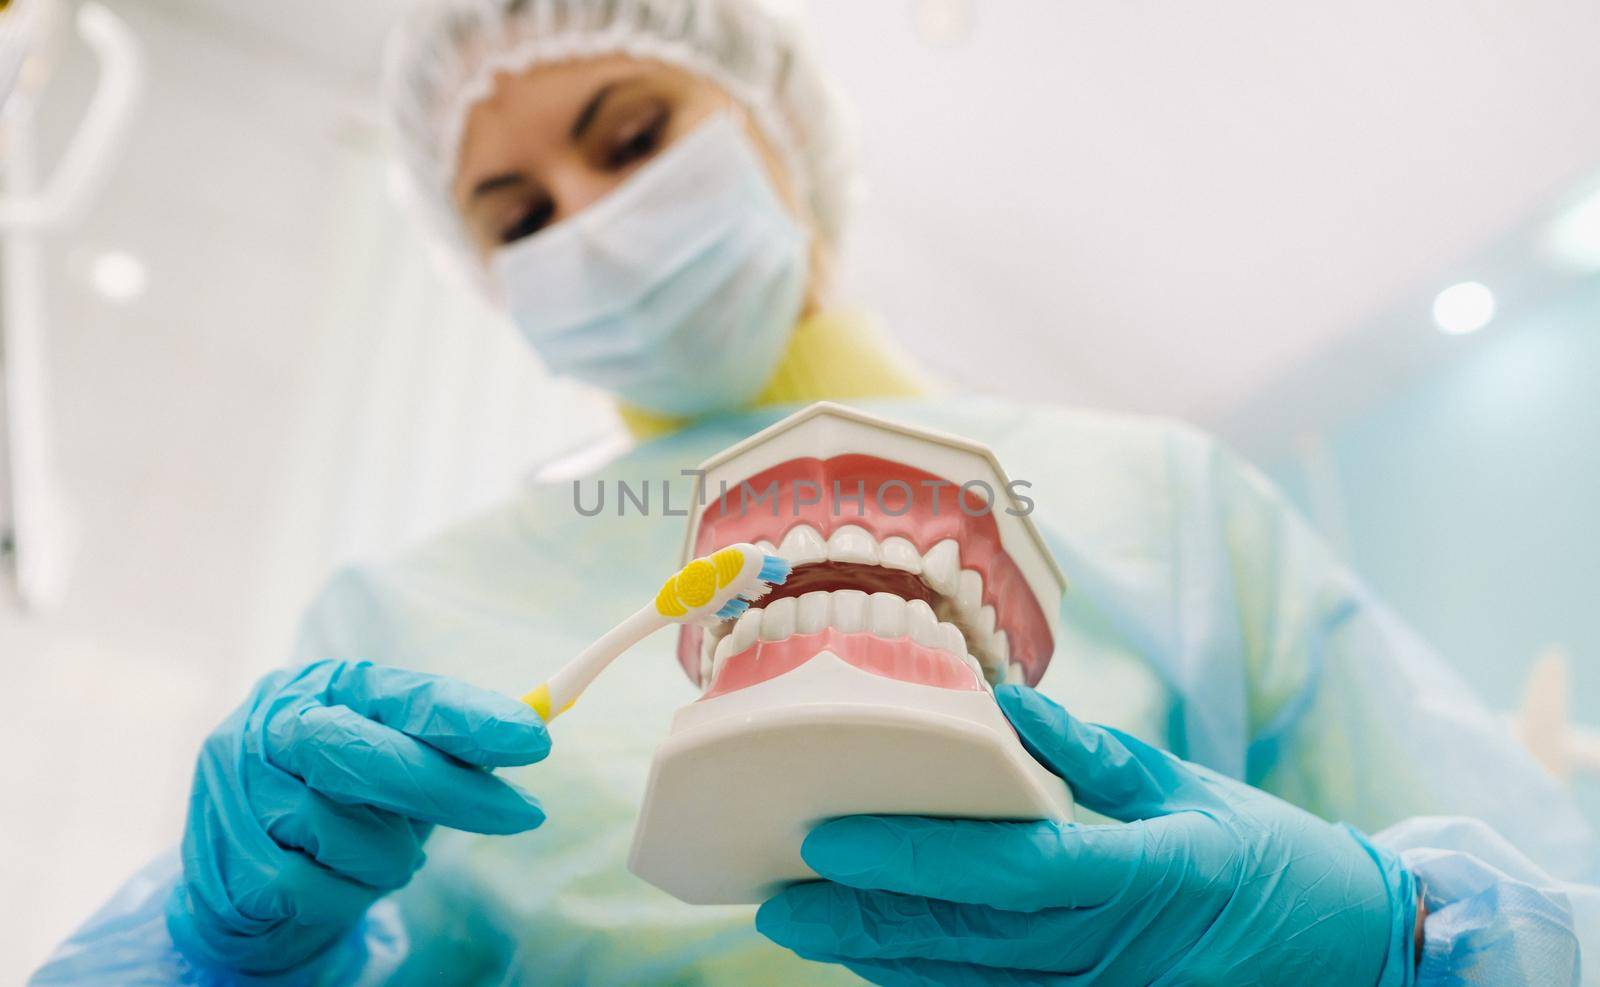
849 610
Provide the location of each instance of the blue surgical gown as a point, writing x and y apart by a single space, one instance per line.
1202 614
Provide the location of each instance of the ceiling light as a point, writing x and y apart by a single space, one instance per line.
118 276
1573 240
1463 308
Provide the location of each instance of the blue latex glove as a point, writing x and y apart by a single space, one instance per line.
314 798
1211 882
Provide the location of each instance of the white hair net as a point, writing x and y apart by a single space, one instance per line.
445 55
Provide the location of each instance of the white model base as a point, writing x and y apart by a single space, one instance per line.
742 778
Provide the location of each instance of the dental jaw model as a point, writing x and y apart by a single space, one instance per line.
864 683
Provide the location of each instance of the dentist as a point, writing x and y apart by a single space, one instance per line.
1296 790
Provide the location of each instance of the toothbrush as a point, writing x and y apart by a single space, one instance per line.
720 586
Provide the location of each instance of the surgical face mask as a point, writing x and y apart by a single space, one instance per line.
678 290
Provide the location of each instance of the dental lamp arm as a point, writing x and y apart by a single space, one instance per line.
87 161
41 527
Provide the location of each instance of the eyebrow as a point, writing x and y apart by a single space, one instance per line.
591 109
495 183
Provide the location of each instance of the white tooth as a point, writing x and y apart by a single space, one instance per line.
952 641
777 620
850 543
708 647
983 624
707 669
942 566
745 631
766 546
992 669
803 544
1014 674
897 553
969 593
977 668
849 609
724 652
921 624
1000 644
811 616
887 615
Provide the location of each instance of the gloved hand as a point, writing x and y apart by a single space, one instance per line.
314 798
1212 882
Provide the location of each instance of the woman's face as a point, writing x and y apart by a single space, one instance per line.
555 138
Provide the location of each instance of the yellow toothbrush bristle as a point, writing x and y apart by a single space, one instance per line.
697 584
667 604
729 562
692 586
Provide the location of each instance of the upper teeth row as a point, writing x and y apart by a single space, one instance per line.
849 610
961 590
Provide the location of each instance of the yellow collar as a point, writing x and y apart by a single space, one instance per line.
831 356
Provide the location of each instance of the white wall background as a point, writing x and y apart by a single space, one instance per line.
288 392
1152 205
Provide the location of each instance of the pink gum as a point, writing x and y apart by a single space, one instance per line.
896 658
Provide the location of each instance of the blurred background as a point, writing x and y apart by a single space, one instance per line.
1361 241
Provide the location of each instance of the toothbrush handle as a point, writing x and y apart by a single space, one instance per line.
562 689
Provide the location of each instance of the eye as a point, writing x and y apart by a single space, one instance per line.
637 142
536 218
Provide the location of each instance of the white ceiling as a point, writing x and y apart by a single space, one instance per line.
1159 205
